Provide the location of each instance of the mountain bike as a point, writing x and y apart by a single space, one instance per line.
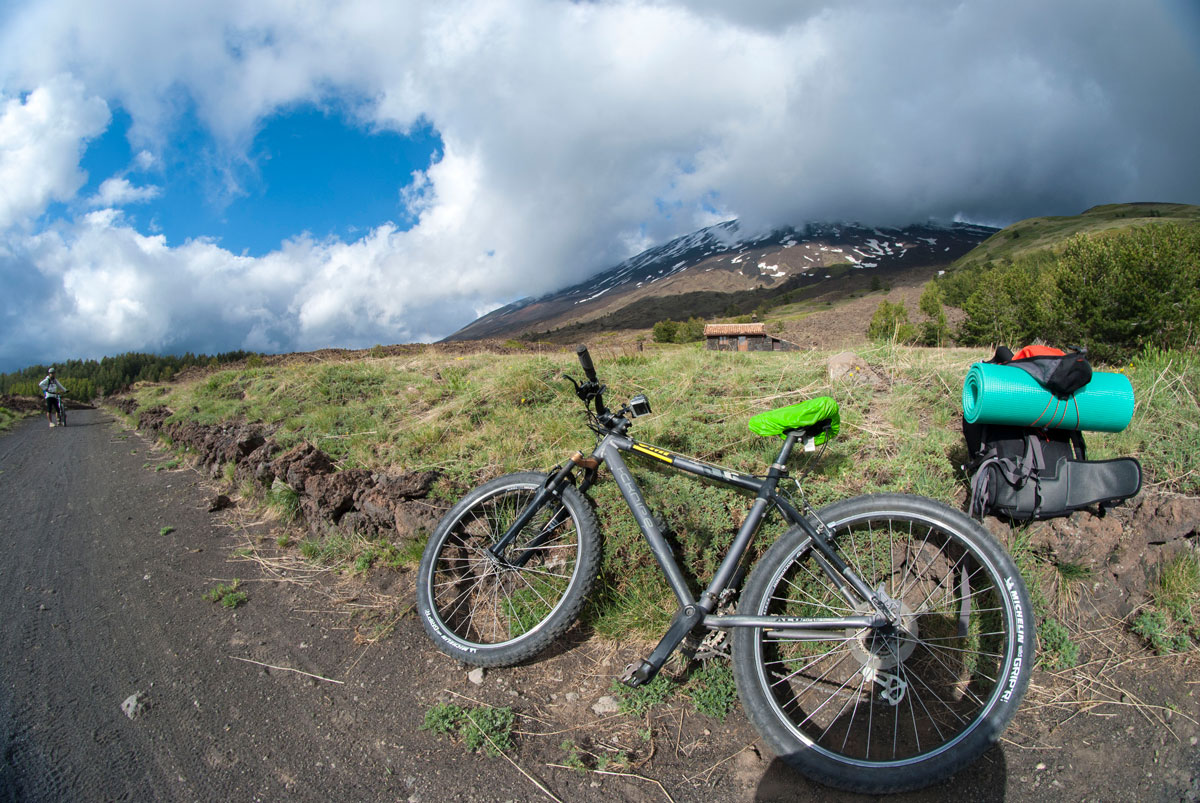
60 406
880 644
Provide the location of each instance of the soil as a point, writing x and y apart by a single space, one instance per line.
316 688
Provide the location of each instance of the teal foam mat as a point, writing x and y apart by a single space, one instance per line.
1001 394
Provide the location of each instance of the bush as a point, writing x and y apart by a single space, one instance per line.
935 331
664 331
1114 293
1117 294
689 331
1009 304
890 323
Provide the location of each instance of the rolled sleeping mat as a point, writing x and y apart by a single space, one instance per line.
1001 394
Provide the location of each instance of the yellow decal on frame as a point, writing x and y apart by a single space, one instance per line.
654 451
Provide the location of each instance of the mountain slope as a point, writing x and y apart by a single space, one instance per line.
1041 233
703 272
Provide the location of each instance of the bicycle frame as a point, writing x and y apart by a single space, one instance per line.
878 645
694 612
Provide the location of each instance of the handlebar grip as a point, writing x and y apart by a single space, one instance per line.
585 360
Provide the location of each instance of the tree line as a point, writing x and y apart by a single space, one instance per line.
1113 293
88 379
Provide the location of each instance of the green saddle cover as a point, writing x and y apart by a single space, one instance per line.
798 416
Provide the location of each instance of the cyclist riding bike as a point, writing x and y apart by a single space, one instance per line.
53 390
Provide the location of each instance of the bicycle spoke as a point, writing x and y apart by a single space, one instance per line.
893 692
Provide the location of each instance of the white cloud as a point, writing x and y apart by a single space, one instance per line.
117 191
42 136
573 133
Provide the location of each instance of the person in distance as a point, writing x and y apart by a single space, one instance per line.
53 390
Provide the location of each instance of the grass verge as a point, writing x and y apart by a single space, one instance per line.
471 417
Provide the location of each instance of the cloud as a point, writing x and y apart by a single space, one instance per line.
42 136
574 133
117 191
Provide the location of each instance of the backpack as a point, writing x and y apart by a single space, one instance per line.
1028 473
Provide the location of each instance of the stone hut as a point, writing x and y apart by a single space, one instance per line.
743 337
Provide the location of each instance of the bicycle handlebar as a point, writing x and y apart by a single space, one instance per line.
592 391
585 360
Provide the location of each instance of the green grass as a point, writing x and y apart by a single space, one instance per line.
471 417
1171 621
1165 432
354 554
8 418
477 728
1039 233
284 500
227 595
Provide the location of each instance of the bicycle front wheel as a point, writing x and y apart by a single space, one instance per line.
498 610
899 707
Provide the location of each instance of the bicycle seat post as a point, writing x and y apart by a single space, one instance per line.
779 468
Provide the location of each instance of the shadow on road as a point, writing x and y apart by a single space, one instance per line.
87 422
982 782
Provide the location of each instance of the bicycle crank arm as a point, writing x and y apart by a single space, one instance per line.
685 621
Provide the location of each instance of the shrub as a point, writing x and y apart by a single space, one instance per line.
890 323
1116 294
1058 650
689 331
478 728
935 331
664 331
712 690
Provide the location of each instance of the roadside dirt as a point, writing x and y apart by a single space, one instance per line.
316 687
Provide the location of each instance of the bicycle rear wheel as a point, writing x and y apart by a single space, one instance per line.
497 611
895 708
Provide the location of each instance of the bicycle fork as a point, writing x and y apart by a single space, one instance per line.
549 491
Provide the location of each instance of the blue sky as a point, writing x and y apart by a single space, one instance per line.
281 177
308 169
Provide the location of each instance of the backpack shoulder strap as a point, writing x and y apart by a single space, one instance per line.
1077 443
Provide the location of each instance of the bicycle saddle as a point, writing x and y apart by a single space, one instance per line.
812 416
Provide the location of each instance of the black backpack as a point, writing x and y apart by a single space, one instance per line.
1027 473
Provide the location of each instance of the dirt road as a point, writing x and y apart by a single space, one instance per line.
101 604
106 561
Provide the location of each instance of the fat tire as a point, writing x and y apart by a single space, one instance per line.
827 734
454 576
